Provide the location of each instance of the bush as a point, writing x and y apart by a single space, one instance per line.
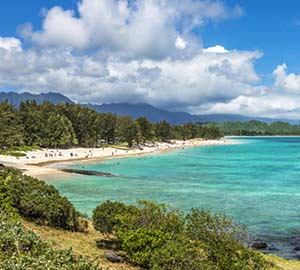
181 254
104 216
20 250
220 237
38 201
158 238
6 200
153 216
141 243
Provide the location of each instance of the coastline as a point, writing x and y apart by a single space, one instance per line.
47 162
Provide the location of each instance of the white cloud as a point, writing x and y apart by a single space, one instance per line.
215 49
268 105
146 51
288 82
180 43
10 44
280 100
169 82
143 28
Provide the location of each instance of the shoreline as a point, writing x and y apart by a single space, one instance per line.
47 162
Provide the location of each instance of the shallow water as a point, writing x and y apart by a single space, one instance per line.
256 182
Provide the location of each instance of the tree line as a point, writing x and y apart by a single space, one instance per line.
66 125
258 128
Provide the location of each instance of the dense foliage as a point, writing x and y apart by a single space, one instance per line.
20 250
35 200
32 199
104 216
66 125
258 128
156 237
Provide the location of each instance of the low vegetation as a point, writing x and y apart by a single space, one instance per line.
35 200
156 237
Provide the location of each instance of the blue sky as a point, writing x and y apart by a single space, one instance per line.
233 56
273 27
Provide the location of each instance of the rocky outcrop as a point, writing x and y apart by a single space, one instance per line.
85 172
112 256
259 245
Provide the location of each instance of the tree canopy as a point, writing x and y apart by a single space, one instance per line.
66 125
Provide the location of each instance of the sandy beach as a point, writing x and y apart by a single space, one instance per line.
40 162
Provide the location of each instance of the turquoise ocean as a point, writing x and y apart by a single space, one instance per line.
256 182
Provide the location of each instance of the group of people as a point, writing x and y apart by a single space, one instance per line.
53 154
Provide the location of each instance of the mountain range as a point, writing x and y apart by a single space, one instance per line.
16 98
135 110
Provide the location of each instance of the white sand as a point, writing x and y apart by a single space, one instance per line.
33 165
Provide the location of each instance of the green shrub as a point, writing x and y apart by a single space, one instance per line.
181 254
38 201
153 216
6 200
141 243
220 237
158 238
104 216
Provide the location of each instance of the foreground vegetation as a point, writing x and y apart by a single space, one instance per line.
158 238
83 244
67 125
147 235
21 249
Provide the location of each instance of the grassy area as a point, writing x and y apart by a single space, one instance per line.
18 151
25 148
12 153
120 146
283 264
81 243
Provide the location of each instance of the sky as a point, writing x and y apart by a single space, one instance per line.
198 56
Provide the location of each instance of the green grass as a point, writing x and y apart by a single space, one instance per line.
12 153
281 263
18 151
120 146
25 148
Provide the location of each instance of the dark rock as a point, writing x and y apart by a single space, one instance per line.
296 257
259 245
2 166
112 256
92 173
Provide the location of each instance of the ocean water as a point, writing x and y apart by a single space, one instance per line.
257 183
